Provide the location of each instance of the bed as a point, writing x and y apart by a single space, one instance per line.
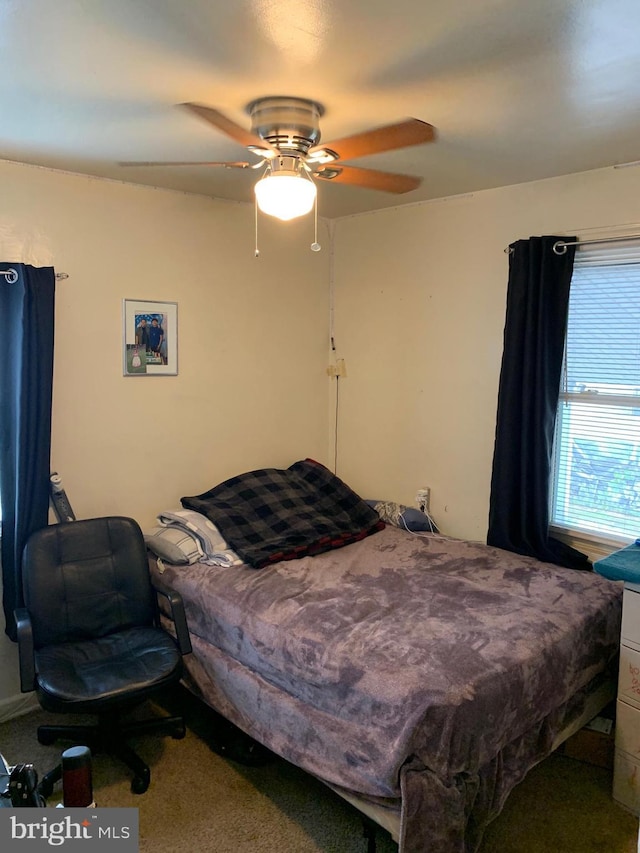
419 676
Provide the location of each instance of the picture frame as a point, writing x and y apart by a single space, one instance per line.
150 338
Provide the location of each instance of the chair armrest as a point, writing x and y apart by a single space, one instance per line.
177 616
26 655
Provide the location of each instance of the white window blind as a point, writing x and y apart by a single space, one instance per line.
596 466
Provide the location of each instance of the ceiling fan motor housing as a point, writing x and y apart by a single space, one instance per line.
288 123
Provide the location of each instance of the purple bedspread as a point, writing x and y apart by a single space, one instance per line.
424 668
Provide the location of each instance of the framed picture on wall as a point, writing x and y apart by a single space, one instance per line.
150 338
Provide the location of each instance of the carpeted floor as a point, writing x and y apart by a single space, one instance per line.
201 801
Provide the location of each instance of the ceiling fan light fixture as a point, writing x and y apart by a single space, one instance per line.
322 155
285 194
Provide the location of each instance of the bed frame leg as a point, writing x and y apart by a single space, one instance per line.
369 828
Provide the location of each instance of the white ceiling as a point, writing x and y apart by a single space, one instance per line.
517 89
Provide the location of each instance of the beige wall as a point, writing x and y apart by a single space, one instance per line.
419 297
252 387
252 339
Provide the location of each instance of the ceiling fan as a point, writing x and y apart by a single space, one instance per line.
285 136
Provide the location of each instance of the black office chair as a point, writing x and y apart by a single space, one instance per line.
89 636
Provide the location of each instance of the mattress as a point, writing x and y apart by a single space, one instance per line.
420 670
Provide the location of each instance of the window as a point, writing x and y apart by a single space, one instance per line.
596 467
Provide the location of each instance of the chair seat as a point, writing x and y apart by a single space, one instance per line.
91 675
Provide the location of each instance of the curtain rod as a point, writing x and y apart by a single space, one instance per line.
560 247
11 276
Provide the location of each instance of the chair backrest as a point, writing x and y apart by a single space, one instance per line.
84 579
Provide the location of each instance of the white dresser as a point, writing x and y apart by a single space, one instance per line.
626 771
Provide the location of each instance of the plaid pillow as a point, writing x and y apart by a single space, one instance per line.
271 514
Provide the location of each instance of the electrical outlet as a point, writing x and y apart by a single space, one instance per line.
422 498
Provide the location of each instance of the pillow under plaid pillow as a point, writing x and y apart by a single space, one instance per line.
173 545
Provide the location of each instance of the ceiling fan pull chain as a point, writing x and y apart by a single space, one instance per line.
315 246
255 206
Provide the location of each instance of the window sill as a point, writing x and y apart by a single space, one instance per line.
594 546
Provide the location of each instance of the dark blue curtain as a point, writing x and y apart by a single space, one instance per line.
534 338
26 376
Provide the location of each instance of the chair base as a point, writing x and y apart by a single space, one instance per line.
109 736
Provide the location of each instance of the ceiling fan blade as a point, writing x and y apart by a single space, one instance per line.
231 165
372 179
387 138
235 131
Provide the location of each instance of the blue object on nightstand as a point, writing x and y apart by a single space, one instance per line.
622 565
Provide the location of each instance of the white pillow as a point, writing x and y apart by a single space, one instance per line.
173 545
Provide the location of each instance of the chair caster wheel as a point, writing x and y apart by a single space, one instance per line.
178 734
45 788
140 783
